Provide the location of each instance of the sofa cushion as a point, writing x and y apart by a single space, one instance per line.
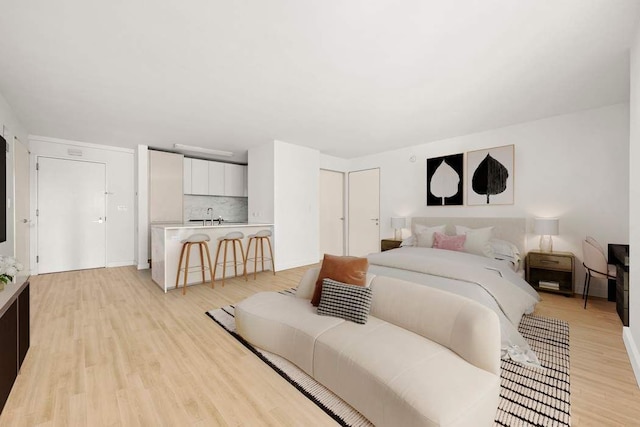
461 324
345 301
307 284
345 269
395 377
283 325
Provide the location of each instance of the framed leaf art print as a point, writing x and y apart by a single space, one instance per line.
490 176
445 179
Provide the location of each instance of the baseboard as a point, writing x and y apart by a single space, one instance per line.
144 266
632 351
120 264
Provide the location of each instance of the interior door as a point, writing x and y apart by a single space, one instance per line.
21 198
364 212
71 215
331 212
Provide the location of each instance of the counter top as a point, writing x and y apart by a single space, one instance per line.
11 292
174 225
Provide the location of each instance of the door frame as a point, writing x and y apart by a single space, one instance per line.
348 199
345 206
36 196
16 196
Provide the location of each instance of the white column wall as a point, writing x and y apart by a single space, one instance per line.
631 334
11 127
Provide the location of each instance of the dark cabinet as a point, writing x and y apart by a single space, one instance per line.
14 335
8 353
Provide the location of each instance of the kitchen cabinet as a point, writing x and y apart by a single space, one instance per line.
165 186
216 179
209 178
199 177
186 176
235 180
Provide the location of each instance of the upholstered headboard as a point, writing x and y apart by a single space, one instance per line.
513 230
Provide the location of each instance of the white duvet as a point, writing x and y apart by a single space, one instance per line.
490 282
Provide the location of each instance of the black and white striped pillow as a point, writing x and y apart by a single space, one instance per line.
349 302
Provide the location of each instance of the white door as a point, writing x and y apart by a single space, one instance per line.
21 198
331 212
364 212
71 215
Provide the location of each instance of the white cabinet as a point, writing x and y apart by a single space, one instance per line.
186 176
165 186
216 179
208 178
199 177
235 180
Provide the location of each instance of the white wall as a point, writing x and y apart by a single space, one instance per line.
11 128
142 207
284 190
572 166
631 334
120 187
296 205
260 183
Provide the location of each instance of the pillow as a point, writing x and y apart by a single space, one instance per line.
451 243
506 251
346 269
477 241
424 234
345 301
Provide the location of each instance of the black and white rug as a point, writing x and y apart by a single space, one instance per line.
528 397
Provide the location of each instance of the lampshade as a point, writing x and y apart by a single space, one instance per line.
546 226
398 222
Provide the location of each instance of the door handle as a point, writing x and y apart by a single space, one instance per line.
24 221
99 221
374 219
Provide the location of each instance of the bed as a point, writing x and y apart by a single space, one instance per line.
495 281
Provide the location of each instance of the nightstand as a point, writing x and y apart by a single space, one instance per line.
551 271
386 244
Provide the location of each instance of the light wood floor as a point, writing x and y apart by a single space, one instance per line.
108 347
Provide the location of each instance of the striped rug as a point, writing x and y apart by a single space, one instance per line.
528 397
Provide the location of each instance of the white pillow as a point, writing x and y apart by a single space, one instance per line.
424 234
506 251
477 241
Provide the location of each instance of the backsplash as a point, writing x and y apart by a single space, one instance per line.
232 209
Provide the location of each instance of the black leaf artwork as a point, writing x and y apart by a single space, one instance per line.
490 177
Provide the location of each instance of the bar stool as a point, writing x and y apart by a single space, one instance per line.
195 239
235 237
259 239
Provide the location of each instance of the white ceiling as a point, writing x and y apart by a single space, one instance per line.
346 77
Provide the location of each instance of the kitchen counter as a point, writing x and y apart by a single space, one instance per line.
166 245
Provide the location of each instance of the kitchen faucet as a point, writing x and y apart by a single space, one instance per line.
210 213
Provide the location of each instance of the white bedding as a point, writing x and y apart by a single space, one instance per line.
491 282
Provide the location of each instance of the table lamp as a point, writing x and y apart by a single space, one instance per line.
546 227
398 223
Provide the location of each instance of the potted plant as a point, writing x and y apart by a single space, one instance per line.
9 267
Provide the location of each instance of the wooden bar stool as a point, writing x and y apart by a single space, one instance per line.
235 237
258 240
200 240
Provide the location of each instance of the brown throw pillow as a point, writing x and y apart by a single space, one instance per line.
346 269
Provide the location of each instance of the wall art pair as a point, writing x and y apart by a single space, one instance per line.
489 178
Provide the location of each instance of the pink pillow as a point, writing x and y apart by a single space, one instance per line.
451 243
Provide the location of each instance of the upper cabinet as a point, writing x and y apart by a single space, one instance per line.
235 181
203 177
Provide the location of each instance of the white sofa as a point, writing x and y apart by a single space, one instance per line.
425 357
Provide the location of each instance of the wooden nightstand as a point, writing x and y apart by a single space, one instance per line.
554 268
386 244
